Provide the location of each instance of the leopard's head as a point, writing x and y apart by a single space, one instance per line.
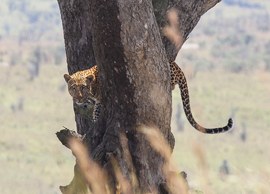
79 86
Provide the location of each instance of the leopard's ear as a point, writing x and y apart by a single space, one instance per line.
89 78
67 77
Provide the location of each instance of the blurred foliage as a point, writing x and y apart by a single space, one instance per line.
31 34
234 36
30 20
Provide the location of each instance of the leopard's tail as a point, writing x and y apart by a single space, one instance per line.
186 105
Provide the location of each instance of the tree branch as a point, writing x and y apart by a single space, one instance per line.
189 14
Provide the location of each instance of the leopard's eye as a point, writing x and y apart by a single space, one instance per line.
72 90
89 79
85 88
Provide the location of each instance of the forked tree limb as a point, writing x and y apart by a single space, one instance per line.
189 14
78 36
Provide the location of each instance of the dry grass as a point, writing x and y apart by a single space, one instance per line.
91 178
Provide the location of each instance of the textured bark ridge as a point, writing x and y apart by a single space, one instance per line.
125 39
134 78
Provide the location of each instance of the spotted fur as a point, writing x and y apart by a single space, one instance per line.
178 77
83 86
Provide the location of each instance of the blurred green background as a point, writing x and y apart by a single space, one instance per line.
226 60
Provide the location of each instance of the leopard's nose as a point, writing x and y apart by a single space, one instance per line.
80 97
78 100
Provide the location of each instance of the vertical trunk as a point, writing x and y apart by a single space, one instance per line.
125 38
76 20
135 84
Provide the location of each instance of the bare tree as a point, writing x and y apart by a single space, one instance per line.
132 43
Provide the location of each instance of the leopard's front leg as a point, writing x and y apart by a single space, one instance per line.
97 108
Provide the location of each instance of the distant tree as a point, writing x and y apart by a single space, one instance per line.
34 63
224 169
18 106
179 120
243 134
59 55
125 39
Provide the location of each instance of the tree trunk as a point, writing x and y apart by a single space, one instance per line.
134 81
126 39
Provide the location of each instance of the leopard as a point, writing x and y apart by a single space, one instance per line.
83 86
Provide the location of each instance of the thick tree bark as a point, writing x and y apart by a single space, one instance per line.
135 87
125 38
